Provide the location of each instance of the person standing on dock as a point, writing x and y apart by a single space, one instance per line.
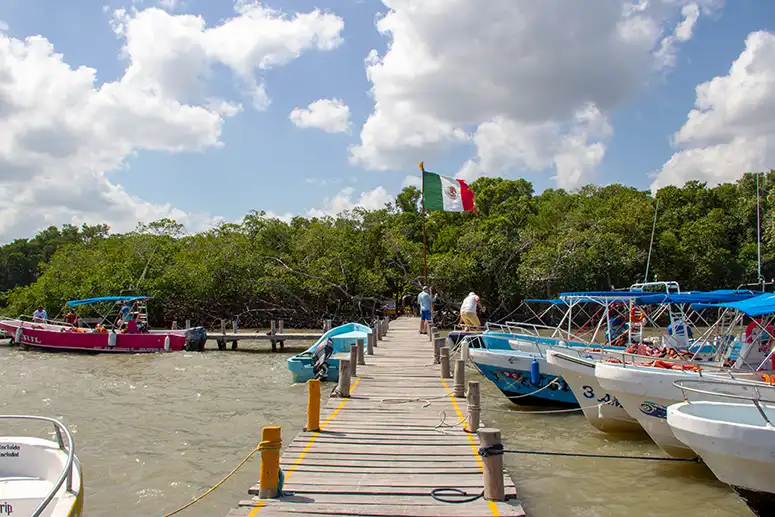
468 315
424 301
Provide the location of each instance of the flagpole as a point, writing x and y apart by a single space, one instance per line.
424 238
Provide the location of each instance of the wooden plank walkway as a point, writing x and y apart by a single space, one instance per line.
380 452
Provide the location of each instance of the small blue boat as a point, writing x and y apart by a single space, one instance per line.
320 361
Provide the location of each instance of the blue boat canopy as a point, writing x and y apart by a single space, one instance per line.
87 301
698 297
539 300
755 306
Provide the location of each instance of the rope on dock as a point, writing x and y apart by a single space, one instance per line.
212 489
454 495
498 450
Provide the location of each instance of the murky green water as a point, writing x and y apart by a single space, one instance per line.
152 431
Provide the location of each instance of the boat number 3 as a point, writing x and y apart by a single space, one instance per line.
589 393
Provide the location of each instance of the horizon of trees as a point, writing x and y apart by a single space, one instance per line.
517 245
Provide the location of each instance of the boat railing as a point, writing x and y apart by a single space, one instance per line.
757 400
30 319
62 434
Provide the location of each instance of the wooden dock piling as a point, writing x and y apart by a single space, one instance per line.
445 373
361 357
473 407
269 480
438 344
281 330
370 343
235 329
188 324
343 388
353 360
459 386
313 405
376 459
493 465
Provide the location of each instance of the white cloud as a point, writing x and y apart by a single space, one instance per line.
731 130
330 115
3 26
521 70
63 134
666 55
374 199
412 181
573 149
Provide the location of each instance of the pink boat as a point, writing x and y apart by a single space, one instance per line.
127 333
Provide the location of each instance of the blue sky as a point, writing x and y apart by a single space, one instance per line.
266 162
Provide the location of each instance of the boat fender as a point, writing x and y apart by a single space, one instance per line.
535 373
19 334
112 339
166 343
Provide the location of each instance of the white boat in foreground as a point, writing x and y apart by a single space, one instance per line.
39 477
736 438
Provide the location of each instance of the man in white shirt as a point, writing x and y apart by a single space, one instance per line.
40 314
468 311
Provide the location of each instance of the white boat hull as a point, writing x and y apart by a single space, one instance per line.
29 469
646 393
602 409
734 441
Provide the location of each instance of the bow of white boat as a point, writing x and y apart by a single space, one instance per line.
39 477
735 438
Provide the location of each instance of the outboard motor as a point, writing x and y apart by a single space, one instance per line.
195 339
320 359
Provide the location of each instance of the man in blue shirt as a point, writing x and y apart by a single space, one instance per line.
424 301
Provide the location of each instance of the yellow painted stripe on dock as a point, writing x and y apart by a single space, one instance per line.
260 502
472 443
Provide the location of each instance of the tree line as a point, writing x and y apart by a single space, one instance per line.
517 245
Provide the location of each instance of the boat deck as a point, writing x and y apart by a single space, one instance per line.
381 451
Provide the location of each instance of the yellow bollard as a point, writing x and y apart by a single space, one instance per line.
313 405
271 443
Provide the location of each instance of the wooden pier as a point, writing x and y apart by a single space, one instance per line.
276 335
382 451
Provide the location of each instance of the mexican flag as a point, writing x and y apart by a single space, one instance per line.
446 194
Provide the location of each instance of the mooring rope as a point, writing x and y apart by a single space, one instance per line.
498 450
212 489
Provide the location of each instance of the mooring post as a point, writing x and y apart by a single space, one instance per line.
438 343
269 480
459 387
235 328
188 324
174 325
272 332
492 465
377 331
313 405
473 406
222 342
370 343
281 330
431 333
445 363
344 378
361 357
353 360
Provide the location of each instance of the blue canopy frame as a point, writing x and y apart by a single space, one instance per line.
87 301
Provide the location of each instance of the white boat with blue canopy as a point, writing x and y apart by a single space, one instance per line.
321 360
515 356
